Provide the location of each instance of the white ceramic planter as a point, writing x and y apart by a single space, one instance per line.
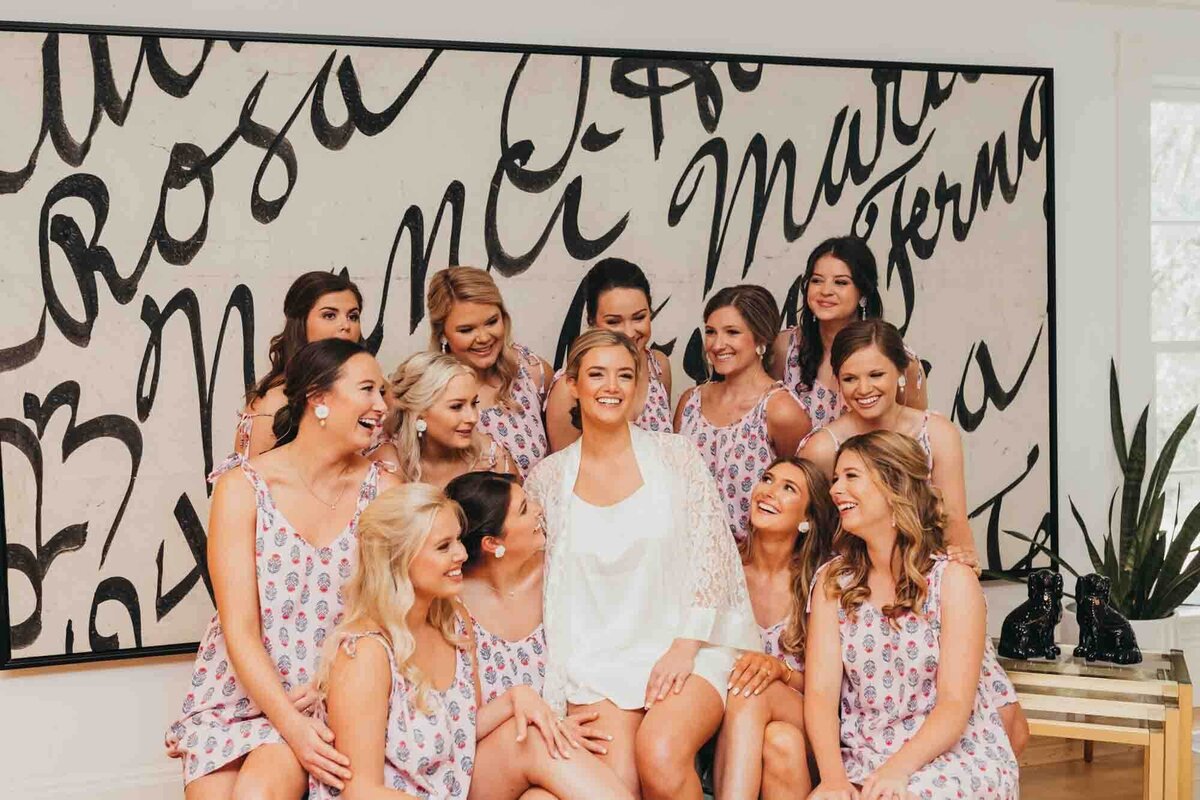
1152 634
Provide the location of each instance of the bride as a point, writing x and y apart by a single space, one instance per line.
645 597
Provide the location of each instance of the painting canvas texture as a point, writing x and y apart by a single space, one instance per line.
159 192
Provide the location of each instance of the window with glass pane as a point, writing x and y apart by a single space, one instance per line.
1175 266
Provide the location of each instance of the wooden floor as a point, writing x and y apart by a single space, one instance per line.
1056 768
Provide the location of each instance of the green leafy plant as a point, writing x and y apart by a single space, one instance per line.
1150 575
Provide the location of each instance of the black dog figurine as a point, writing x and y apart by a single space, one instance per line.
1028 631
1104 635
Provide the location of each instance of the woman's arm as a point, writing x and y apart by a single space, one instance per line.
946 444
357 706
964 620
916 388
559 429
787 422
820 450
664 367
231 565
823 680
262 435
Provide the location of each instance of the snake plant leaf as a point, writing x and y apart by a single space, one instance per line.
1177 554
1178 591
1147 572
1044 551
1116 420
1093 553
1162 467
1131 491
1110 555
1149 526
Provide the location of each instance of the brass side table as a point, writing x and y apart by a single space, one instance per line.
1147 704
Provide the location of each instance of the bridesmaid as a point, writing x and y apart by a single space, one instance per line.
243 731
318 305
402 641
840 285
467 319
617 298
431 432
761 751
741 422
504 534
895 704
870 361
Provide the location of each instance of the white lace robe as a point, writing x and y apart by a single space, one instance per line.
711 573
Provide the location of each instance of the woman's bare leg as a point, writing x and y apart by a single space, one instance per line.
271 772
739 765
506 769
623 726
216 785
785 762
669 737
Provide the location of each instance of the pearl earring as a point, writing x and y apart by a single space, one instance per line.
902 382
500 551
761 350
862 307
421 426
322 413
804 527
445 345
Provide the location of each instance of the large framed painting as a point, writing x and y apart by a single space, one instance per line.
159 190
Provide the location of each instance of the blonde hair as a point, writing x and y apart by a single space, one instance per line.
379 594
897 465
416 385
593 339
472 285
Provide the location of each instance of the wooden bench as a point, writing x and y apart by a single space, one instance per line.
1147 704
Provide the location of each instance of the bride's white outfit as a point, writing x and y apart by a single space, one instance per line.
624 581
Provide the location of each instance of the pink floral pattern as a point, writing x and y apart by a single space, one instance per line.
504 664
770 640
735 454
426 755
300 602
889 688
523 432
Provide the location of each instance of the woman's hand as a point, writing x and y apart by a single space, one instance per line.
887 783
671 670
304 697
581 734
838 789
312 742
753 672
530 709
965 556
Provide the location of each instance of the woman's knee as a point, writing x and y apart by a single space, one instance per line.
746 711
784 748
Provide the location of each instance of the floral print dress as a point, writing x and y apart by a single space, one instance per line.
504 664
521 431
300 603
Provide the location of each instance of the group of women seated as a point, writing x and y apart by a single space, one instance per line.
478 577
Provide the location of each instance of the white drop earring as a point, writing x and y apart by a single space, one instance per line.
421 426
445 345
902 382
804 527
862 307
500 551
761 350
322 413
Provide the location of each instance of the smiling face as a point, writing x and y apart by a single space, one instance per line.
605 386
524 526
475 333
861 503
334 316
831 294
436 569
779 501
869 382
625 311
728 342
451 418
356 401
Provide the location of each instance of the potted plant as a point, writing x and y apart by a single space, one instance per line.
1152 572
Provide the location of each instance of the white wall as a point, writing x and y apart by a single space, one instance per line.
95 731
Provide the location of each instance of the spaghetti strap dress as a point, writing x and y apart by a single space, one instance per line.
300 603
522 430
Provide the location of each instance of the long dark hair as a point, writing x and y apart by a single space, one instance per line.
854 253
809 552
301 296
484 499
612 273
315 368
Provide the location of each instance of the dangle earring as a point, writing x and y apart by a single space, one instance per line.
902 383
322 413
804 527
421 426
761 350
445 345
862 307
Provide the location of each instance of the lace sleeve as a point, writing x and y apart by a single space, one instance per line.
543 485
720 611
